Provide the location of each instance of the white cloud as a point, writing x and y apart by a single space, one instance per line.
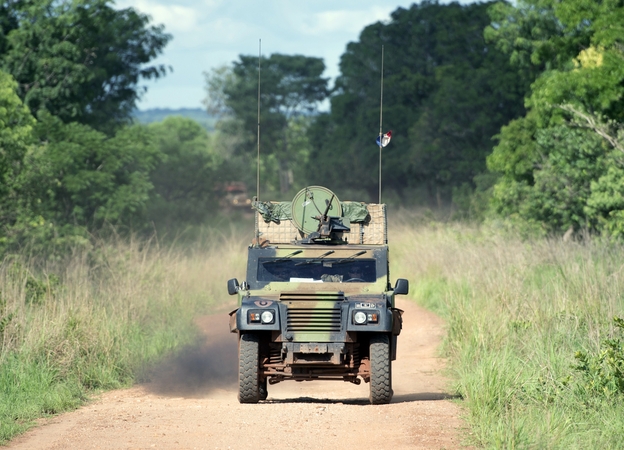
176 18
344 20
210 33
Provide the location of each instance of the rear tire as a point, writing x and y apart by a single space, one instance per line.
381 370
248 380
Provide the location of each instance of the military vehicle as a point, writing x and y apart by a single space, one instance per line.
317 303
234 196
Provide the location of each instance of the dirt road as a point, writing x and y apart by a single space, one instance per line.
191 404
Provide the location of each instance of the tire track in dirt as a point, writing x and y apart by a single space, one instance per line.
191 403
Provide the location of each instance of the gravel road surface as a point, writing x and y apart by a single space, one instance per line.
190 403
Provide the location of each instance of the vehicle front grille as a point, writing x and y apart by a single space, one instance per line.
314 319
313 313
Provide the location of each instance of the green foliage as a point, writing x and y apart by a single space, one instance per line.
76 64
218 81
606 203
29 390
186 177
78 179
565 162
593 83
514 156
603 371
93 178
80 60
534 36
16 135
446 93
5 320
292 87
152 115
36 289
561 164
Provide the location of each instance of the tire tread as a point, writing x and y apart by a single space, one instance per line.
381 373
248 384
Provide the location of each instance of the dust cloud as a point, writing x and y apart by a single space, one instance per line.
194 371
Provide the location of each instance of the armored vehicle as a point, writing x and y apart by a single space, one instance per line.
317 303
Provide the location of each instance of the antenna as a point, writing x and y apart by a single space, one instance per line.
381 119
258 136
258 145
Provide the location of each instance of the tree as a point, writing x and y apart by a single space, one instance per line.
533 35
16 136
566 162
292 87
446 93
81 60
81 177
559 164
185 179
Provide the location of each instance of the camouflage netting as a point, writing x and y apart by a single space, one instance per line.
354 212
274 211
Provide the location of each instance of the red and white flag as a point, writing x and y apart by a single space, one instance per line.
384 139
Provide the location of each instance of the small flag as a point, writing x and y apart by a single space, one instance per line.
384 140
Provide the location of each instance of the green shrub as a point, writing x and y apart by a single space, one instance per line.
602 372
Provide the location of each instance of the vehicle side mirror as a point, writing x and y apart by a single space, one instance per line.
232 286
401 287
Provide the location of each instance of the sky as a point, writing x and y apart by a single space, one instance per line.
212 33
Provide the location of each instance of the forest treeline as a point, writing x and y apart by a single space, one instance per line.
72 163
509 112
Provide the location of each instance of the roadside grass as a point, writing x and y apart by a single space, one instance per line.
534 349
531 339
98 319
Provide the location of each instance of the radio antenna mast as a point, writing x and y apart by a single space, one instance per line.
258 136
258 145
381 119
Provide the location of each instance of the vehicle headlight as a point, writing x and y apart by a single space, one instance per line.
359 318
267 317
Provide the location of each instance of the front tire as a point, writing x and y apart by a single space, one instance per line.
263 391
248 357
381 370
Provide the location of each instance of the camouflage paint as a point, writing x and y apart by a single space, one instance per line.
316 313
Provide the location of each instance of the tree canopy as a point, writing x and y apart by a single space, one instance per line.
446 93
292 87
69 160
186 175
16 126
515 107
560 164
80 60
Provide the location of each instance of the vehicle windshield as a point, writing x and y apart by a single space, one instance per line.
317 270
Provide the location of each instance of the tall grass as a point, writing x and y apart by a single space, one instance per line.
97 319
517 313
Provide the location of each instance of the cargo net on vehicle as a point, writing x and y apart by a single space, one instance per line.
279 228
